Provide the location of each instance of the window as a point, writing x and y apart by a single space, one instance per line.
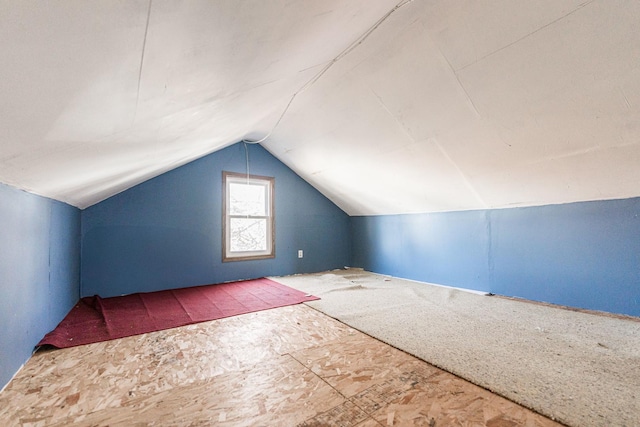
248 230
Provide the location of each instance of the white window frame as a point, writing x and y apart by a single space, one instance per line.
229 178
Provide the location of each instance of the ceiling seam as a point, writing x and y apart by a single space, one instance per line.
356 43
384 106
331 63
455 74
462 175
144 45
626 100
526 35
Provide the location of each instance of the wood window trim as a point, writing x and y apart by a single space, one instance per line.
235 176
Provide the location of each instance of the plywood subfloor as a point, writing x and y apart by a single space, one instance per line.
290 366
580 368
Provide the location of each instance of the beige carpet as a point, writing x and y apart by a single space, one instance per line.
581 369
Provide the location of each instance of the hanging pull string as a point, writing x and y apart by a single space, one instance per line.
326 68
246 155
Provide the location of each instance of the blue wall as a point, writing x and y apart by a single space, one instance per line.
167 232
584 255
39 272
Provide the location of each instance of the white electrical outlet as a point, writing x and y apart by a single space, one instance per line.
300 253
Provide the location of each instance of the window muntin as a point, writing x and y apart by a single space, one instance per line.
248 217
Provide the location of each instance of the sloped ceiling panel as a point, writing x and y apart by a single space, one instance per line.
384 106
489 105
99 96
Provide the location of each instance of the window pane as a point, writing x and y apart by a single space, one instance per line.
248 234
247 199
248 217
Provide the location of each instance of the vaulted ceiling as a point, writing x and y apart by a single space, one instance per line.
384 106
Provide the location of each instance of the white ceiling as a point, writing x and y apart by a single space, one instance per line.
417 106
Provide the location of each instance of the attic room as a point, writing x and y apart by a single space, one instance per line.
455 198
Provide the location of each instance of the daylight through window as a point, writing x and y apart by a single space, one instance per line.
248 217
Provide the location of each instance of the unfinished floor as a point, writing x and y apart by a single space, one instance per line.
580 368
287 366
